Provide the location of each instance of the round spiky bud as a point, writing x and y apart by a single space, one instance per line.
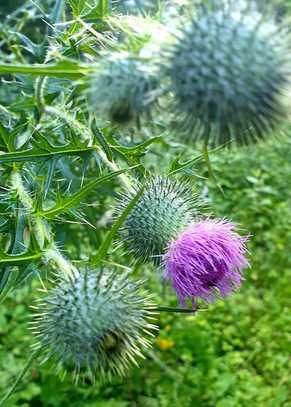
165 208
121 89
229 70
96 322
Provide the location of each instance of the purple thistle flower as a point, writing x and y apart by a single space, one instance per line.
207 258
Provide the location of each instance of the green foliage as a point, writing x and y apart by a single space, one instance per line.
63 69
62 169
90 9
236 353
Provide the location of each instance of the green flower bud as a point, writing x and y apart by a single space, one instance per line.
121 90
165 209
229 69
96 322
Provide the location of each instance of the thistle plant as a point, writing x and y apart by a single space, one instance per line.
65 164
201 258
229 71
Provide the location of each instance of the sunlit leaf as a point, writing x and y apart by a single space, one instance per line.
63 69
69 202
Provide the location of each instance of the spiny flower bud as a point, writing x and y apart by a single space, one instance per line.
205 260
165 208
229 70
96 322
121 89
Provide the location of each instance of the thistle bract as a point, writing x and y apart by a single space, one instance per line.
165 209
205 260
229 70
121 90
96 322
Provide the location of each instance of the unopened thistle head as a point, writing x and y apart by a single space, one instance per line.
206 260
229 71
165 209
96 323
121 90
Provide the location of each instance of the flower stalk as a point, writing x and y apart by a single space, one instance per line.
41 230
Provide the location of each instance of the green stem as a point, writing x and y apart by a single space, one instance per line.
17 185
45 70
31 155
177 310
54 256
172 373
16 260
41 229
39 94
19 378
116 226
209 166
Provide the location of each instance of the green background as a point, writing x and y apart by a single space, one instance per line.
235 353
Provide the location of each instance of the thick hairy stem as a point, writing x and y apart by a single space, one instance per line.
53 256
87 135
23 195
209 166
41 229
39 93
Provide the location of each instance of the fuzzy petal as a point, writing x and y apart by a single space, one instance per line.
206 259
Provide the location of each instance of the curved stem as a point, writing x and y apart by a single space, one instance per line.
39 93
41 229
178 310
209 166
54 256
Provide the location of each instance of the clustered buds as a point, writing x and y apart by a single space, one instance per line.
226 75
228 69
96 322
202 258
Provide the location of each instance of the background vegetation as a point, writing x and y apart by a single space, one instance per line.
235 353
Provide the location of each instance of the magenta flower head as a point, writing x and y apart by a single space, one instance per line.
206 260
